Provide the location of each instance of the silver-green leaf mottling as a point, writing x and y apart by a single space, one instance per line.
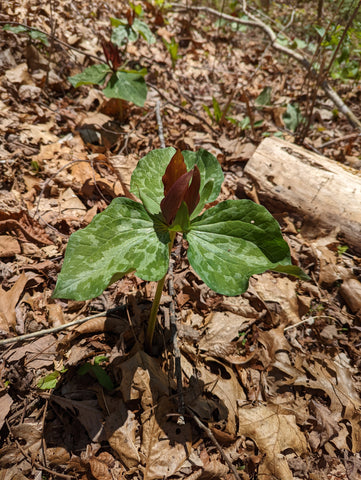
233 241
121 239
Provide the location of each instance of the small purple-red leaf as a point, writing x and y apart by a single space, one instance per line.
175 169
173 199
111 53
191 196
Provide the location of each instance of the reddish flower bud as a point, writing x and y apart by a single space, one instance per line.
179 186
111 53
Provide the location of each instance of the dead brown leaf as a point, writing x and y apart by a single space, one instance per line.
121 428
8 302
273 432
5 403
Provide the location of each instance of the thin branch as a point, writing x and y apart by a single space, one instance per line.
41 333
53 38
253 21
214 440
160 124
176 351
182 108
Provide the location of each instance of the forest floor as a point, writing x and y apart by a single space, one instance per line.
273 375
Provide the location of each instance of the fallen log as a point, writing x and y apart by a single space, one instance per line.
321 191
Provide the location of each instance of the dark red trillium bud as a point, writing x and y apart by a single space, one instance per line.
179 186
111 53
130 14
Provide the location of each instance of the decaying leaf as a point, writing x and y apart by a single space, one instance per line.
8 301
5 404
164 445
336 381
273 432
121 428
223 328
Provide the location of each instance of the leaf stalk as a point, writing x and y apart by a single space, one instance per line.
158 294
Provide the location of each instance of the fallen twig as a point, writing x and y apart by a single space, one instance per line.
214 440
41 333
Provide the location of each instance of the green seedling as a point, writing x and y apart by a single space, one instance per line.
119 83
129 28
31 32
292 117
50 381
341 249
217 114
98 372
227 244
172 48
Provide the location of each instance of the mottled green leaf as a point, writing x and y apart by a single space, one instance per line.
143 29
122 239
292 270
147 183
33 33
292 117
123 34
128 86
94 75
264 98
233 241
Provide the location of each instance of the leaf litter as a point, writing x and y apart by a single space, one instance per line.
281 395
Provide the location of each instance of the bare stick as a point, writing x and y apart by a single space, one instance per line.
217 445
41 333
176 351
182 108
57 40
160 124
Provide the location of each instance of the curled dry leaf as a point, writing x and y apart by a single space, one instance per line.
164 445
273 432
8 302
279 297
336 381
120 428
5 404
223 329
99 469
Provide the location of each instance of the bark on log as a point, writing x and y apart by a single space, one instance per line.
318 189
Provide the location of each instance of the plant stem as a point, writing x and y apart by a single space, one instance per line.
153 313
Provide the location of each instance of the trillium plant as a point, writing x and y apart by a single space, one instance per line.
227 243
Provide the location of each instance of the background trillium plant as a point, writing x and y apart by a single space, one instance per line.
228 243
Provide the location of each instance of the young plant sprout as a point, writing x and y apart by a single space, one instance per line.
227 244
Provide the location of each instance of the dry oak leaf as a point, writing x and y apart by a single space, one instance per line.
164 445
120 428
273 432
8 302
5 404
322 373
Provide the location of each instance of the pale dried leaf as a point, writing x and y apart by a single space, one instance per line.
99 470
120 428
273 432
39 353
279 296
165 444
338 384
326 426
9 246
8 302
5 404
223 329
